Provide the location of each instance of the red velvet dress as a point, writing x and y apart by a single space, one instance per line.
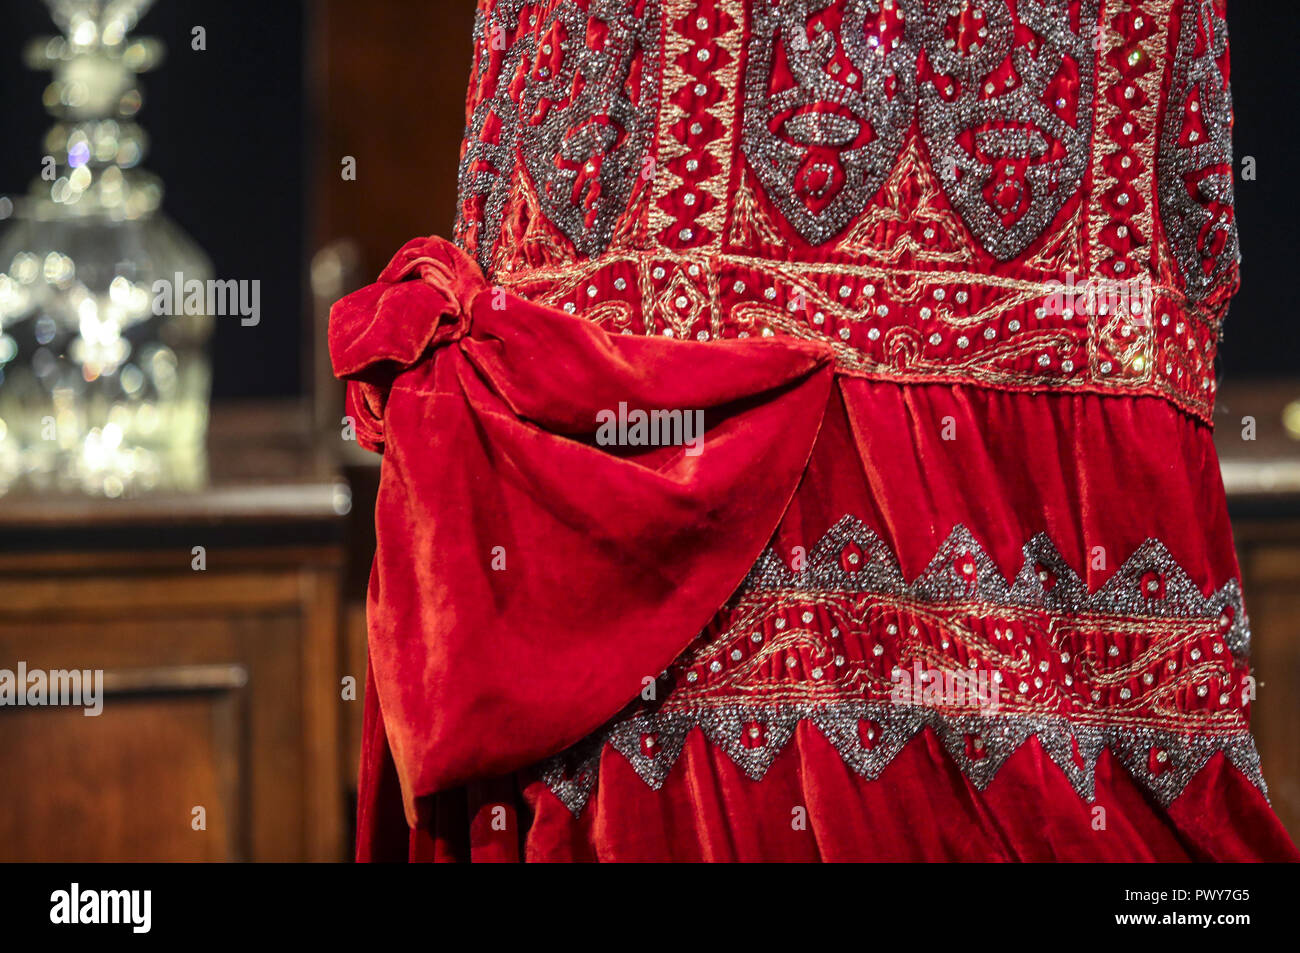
947 573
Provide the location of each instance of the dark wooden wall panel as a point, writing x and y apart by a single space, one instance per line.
123 786
222 690
389 80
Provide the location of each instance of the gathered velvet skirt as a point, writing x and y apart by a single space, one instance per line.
864 621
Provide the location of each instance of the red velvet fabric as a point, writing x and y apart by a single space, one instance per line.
616 559
990 479
527 580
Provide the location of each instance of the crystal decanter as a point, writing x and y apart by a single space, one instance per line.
99 393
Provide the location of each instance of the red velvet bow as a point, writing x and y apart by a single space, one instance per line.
529 581
422 299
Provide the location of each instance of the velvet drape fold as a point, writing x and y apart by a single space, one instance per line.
528 580
531 582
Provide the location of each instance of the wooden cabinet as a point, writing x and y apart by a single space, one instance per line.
1257 431
221 677
1270 565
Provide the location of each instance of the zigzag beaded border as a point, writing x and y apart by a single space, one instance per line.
850 559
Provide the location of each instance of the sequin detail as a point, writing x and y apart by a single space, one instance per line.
1006 116
824 145
1146 667
1008 113
909 182
1196 171
573 93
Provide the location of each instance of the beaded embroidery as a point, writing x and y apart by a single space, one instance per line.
1009 120
573 93
1196 190
908 181
1147 667
824 146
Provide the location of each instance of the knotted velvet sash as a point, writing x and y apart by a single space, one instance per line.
527 581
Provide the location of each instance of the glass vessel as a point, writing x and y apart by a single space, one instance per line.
102 389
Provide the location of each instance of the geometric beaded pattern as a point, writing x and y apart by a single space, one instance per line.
1146 667
578 115
910 182
1196 193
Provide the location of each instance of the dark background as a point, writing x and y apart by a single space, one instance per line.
227 130
230 139
1261 338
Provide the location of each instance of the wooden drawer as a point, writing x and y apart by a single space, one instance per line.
221 692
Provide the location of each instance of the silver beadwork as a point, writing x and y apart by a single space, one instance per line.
784 131
1196 213
868 733
581 119
1013 131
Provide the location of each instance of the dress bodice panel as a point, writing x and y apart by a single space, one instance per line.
1026 194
